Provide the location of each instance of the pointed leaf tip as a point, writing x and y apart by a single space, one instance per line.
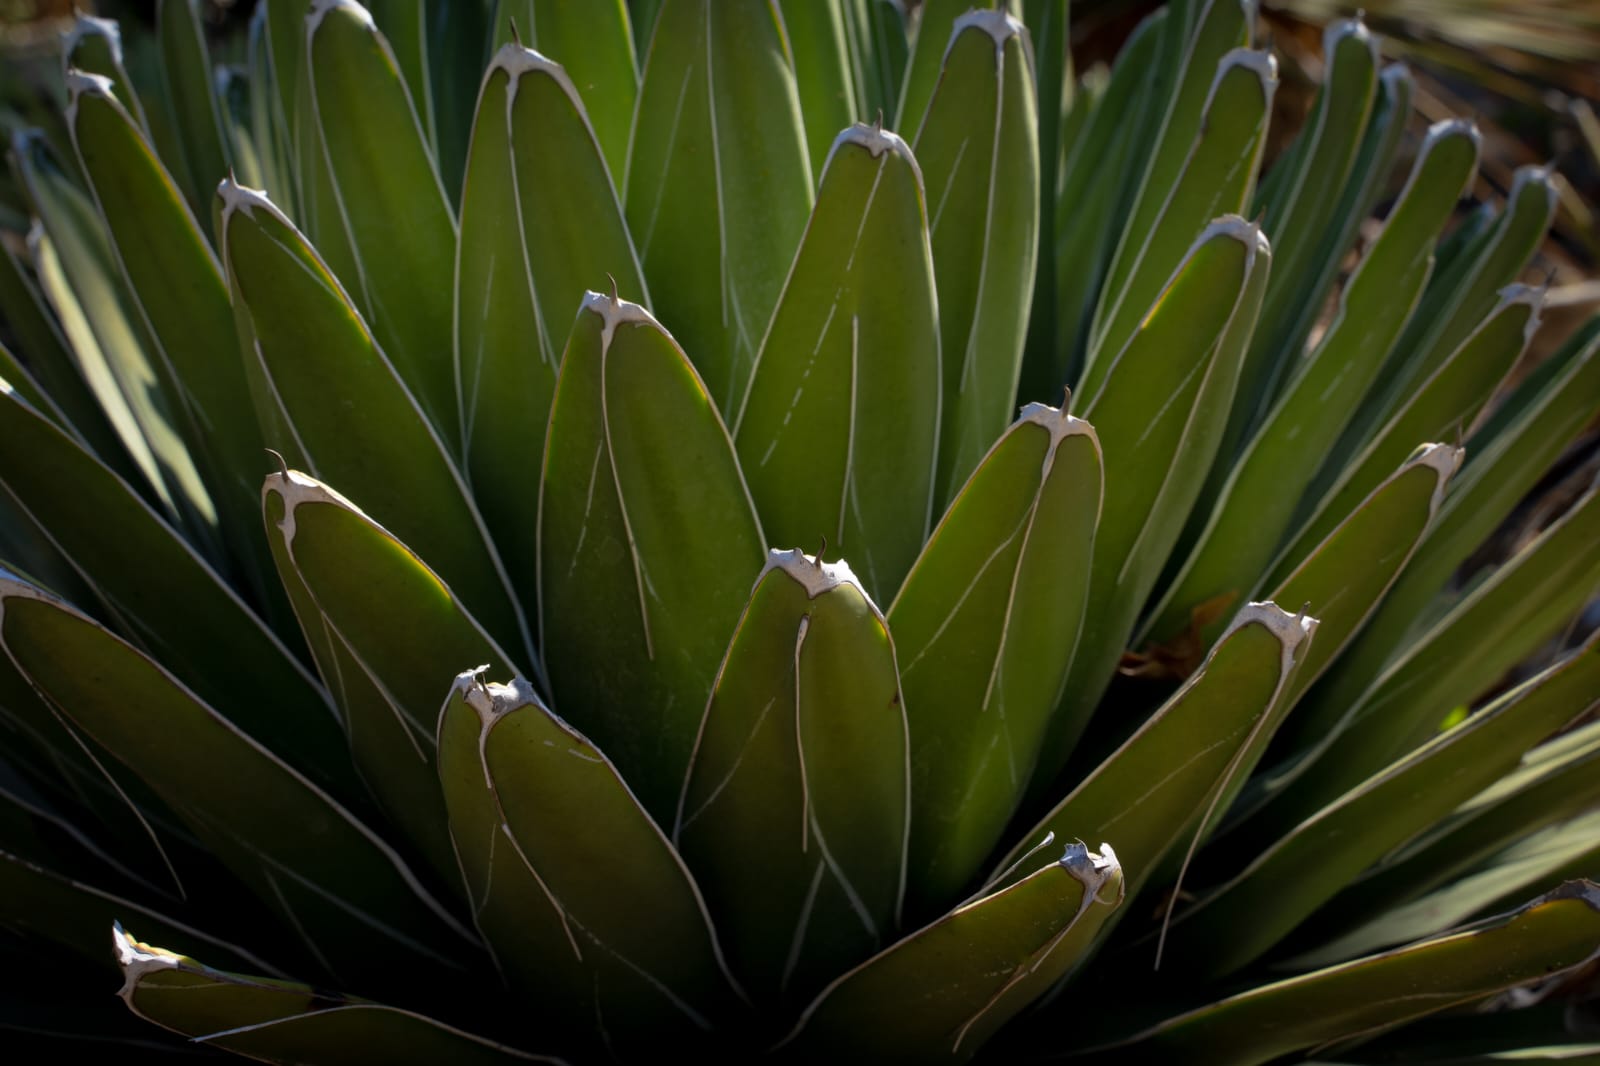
996 22
321 9
812 574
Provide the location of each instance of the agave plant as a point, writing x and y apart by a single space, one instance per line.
411 453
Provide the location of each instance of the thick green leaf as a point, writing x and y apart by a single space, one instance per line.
877 33
824 73
986 625
94 46
631 910
178 288
795 811
405 26
349 895
234 94
1194 55
1300 872
1496 477
1446 406
186 77
839 431
1091 188
285 1021
75 914
940 993
1255 505
984 230
930 43
267 129
130 829
1539 859
1181 365
718 182
390 199
1554 781
1300 218
1218 177
593 42
156 590
50 362
540 226
285 35
384 630
332 403
1456 312
1344 578
1061 119
1498 624
647 543
1368 184
15 375
1191 755
1461 295
109 344
1547 936
524 926
318 213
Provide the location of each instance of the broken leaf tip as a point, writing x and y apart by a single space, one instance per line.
137 960
242 198
996 22
1093 869
1234 227
875 139
320 9
1055 419
1292 630
812 574
1444 459
1450 127
614 312
517 60
1263 64
1350 28
87 25
1531 295
85 84
492 700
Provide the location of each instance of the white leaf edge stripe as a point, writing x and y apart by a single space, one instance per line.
13 586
